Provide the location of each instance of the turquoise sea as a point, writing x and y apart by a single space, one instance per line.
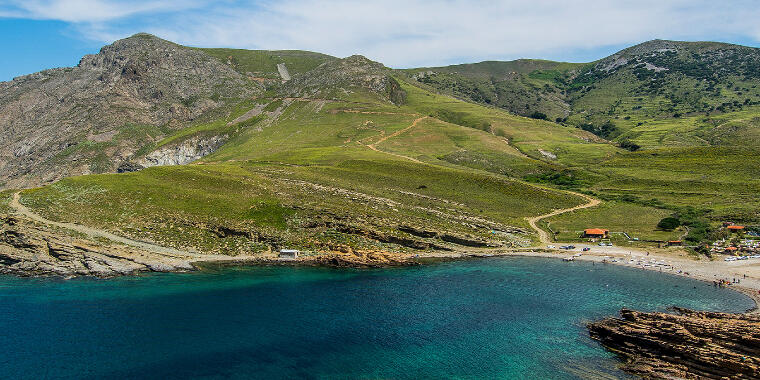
486 318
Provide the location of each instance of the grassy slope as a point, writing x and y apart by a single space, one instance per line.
638 221
721 179
716 178
523 86
726 129
300 179
5 198
307 163
263 63
571 146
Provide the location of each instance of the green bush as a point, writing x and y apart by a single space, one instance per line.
629 145
538 115
669 223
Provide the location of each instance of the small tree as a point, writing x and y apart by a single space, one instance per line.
629 145
669 224
538 115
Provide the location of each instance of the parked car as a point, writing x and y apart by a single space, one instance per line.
730 259
551 247
585 249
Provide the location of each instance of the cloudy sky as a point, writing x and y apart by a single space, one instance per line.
39 34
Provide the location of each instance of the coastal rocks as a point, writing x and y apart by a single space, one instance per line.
689 344
30 249
466 241
363 259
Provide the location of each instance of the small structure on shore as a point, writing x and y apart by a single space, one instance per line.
675 243
288 254
596 233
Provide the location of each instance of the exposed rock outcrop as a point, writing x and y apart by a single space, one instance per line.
364 259
91 117
184 152
28 248
690 344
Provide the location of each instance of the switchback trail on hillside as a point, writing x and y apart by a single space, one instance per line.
533 221
373 146
543 235
94 232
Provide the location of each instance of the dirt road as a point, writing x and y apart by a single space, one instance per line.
543 235
373 146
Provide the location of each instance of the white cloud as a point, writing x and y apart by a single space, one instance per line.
86 10
410 32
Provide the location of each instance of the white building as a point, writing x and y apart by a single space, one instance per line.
288 254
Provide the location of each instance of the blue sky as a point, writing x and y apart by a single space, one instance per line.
39 34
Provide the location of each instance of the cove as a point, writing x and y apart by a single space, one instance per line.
513 317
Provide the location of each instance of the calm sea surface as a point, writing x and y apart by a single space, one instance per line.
486 318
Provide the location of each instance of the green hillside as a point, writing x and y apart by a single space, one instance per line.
641 94
343 167
263 63
523 87
349 154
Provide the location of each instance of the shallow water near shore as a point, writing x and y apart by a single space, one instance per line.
511 317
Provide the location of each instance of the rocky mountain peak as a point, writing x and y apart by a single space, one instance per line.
651 47
49 118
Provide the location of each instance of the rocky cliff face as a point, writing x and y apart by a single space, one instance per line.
689 345
183 153
90 118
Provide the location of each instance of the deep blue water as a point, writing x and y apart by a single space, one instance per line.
488 318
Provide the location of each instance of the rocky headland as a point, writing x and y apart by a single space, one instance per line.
684 345
31 248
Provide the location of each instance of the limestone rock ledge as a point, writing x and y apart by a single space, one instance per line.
685 345
32 249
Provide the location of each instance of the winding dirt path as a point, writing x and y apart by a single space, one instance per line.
373 146
94 232
543 235
532 221
394 134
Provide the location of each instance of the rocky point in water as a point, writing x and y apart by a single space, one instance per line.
689 344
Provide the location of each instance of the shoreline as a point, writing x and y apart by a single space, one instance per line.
698 270
705 274
142 256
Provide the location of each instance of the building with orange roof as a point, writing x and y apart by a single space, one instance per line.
735 228
596 233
